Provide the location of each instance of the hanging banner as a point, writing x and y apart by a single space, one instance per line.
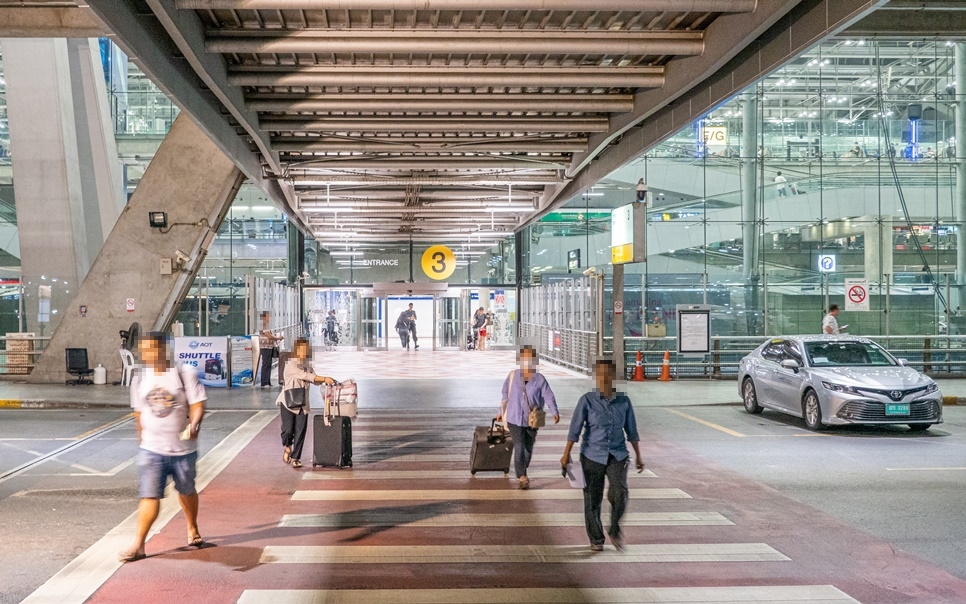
856 294
242 372
209 357
499 301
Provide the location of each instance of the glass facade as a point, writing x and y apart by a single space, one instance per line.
848 153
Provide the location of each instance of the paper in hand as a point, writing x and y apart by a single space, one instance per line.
575 474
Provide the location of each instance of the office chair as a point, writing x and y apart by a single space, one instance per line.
78 366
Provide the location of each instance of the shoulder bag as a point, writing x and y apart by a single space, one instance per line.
294 398
538 417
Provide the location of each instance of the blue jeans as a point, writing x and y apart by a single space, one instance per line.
154 470
524 437
594 473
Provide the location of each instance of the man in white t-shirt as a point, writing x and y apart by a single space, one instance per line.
830 324
780 185
169 404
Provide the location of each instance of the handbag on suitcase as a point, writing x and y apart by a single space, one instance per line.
342 399
331 442
491 450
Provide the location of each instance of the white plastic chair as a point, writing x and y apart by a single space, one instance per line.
127 366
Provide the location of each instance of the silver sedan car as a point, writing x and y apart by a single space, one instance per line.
836 380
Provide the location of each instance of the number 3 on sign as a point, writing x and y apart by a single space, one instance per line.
439 262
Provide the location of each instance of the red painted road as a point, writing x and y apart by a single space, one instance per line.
241 509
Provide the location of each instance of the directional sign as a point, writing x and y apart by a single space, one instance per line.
826 263
856 294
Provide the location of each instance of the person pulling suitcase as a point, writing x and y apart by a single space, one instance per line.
525 394
294 401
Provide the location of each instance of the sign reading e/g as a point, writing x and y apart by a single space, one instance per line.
439 262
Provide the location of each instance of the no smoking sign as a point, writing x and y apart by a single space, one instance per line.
856 294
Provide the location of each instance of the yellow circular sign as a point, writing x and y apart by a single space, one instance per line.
439 262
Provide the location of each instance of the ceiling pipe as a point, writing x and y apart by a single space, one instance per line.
448 42
361 103
435 124
448 77
386 145
429 181
635 6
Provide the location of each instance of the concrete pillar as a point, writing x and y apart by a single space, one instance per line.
960 202
878 247
484 293
65 165
192 180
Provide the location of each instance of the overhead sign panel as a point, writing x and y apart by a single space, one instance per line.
627 234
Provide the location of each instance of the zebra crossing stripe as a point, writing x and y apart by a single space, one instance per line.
369 518
770 594
472 495
512 554
436 474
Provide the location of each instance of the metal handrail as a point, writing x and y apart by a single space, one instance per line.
937 355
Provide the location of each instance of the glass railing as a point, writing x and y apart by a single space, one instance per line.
142 113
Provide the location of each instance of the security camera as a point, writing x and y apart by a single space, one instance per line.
182 257
590 272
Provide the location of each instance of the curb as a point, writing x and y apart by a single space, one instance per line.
45 404
954 400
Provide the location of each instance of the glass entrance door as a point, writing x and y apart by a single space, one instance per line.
449 332
371 334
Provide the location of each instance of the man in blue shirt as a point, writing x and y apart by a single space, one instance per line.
604 416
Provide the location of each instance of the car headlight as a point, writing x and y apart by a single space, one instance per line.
839 388
932 388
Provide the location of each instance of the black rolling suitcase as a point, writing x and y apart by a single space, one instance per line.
332 444
492 449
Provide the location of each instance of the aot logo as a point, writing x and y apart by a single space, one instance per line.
195 344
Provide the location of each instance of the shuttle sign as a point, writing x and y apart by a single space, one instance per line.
209 357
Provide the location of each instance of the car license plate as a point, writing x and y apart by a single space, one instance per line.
902 409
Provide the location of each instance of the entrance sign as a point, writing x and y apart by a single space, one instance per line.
715 138
627 238
857 294
439 262
573 260
694 329
826 263
208 356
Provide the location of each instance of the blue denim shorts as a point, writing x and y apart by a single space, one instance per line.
154 470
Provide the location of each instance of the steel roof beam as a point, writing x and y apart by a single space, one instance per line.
435 124
444 103
38 21
487 180
438 163
386 145
475 42
676 6
446 194
449 77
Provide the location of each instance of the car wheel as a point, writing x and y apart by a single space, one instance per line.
750 396
919 427
812 411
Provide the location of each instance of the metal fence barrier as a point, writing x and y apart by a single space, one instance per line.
19 354
937 356
571 348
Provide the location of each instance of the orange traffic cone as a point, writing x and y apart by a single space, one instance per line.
666 368
639 368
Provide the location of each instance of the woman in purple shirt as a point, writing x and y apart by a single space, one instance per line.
525 389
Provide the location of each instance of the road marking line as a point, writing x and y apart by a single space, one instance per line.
437 474
825 594
501 554
109 424
935 469
373 457
84 575
706 423
398 519
472 495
